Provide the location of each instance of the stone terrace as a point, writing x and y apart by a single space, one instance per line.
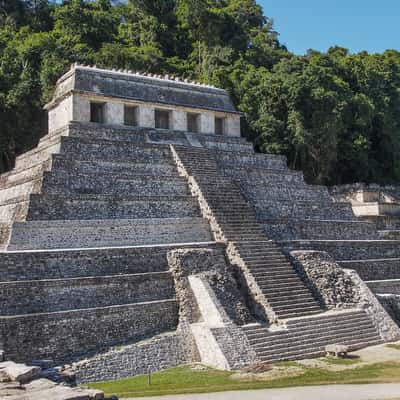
90 214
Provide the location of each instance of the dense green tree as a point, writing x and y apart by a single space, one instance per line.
334 114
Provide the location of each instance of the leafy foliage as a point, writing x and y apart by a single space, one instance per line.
334 115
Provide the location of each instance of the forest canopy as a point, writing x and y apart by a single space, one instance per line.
335 115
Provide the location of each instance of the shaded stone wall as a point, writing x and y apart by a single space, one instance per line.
62 335
160 352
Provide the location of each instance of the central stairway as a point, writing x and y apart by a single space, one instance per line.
303 328
278 282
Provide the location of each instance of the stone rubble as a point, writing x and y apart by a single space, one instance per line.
22 382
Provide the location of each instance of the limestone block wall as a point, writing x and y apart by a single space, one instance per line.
51 295
61 115
211 306
56 207
19 266
389 286
61 336
370 270
76 107
33 235
164 351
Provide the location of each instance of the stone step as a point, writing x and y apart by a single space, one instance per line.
298 313
14 210
269 161
293 304
319 229
355 345
67 163
273 279
93 206
276 274
20 192
310 323
283 294
243 236
353 315
65 336
264 258
17 177
283 289
30 297
349 249
318 343
74 263
107 150
319 338
33 235
321 324
286 339
370 269
100 184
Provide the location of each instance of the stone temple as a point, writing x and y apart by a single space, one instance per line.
143 232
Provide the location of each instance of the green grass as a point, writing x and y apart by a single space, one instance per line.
341 361
186 380
393 346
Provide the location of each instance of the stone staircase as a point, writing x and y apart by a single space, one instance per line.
305 217
275 277
307 337
303 328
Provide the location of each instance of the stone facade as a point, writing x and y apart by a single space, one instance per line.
129 248
113 90
160 352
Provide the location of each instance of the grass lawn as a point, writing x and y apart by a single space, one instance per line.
341 361
188 380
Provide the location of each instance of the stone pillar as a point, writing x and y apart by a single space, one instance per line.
179 120
114 113
146 116
232 126
81 110
207 122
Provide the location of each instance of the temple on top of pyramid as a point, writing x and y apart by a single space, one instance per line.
116 97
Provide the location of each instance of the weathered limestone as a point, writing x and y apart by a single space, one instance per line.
212 306
338 288
130 248
83 86
21 382
160 352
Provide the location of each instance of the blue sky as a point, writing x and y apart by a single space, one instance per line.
319 24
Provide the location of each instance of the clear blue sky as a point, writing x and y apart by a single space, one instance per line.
372 25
